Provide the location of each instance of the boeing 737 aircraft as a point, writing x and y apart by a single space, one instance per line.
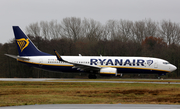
93 65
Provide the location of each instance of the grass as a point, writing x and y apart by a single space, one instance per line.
29 93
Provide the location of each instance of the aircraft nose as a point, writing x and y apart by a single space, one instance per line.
172 67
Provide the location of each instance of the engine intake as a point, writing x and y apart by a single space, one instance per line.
108 71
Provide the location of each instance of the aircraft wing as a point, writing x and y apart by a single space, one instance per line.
79 66
85 67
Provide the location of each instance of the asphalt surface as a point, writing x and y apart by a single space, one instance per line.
94 106
72 80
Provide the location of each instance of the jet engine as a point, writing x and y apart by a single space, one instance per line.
108 71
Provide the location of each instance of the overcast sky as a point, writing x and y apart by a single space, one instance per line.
24 12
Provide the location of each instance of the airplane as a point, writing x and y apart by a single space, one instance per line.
93 65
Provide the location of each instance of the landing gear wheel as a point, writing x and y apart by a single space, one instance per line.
92 76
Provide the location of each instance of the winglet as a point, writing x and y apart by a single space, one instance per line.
58 56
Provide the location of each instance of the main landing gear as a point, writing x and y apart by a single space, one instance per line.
92 76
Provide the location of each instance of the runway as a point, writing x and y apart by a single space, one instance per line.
73 80
95 106
26 79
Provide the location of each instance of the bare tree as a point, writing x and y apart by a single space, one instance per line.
92 30
125 29
45 29
71 28
139 30
33 29
151 28
54 28
111 29
170 32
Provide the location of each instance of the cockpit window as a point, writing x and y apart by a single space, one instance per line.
165 62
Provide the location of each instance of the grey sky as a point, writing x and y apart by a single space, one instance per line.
23 12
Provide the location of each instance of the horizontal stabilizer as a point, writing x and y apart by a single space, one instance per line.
17 57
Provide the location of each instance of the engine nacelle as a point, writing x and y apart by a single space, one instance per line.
108 71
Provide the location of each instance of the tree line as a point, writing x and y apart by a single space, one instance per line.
73 36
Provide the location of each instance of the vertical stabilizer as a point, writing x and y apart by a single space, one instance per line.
24 44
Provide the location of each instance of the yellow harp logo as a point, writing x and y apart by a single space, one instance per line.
23 43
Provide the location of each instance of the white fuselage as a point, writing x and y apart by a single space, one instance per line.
122 64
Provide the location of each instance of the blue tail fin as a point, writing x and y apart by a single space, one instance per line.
24 44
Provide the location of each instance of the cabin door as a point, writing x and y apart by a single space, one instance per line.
40 62
155 64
